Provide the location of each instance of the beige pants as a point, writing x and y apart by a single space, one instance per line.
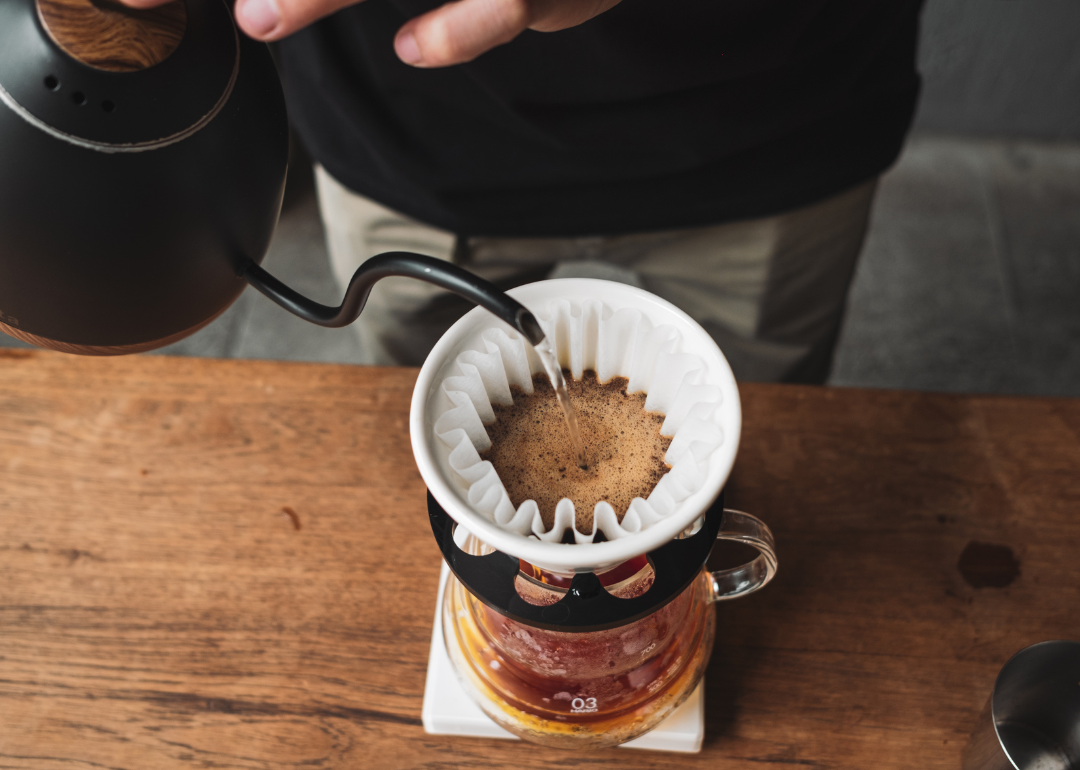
771 291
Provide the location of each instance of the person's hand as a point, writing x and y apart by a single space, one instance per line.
451 34
462 30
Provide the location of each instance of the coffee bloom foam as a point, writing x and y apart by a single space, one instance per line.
586 335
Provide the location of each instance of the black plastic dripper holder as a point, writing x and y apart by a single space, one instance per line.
587 606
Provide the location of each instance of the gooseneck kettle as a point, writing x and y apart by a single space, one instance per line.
143 157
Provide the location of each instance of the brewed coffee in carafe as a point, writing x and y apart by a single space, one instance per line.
580 689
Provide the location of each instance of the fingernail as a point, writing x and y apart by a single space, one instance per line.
259 17
407 49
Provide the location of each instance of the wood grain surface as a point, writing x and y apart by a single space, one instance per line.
160 607
107 35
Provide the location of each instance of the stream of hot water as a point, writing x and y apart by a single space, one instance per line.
554 372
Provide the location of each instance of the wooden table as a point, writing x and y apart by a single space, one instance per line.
160 608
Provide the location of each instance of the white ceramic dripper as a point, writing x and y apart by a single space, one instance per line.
451 491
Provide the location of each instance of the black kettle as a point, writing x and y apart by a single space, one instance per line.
143 157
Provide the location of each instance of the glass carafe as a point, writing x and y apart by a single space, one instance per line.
597 688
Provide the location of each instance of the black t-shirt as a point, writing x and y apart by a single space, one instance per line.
655 115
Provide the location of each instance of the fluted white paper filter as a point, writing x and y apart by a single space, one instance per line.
587 335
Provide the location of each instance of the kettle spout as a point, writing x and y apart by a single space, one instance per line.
399 263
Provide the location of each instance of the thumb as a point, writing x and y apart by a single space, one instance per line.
269 20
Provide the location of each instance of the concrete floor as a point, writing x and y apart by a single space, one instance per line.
970 279
969 282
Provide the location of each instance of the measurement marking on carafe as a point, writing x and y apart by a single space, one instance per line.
582 705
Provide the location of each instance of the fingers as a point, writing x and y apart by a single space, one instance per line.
553 15
142 4
454 33
462 30
274 19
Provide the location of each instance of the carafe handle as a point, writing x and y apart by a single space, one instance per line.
740 581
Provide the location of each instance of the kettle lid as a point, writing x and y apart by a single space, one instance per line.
110 78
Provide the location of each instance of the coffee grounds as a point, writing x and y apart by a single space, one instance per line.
533 455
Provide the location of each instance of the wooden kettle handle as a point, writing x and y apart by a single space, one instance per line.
110 36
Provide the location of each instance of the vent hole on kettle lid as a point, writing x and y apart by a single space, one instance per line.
79 98
108 106
52 83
